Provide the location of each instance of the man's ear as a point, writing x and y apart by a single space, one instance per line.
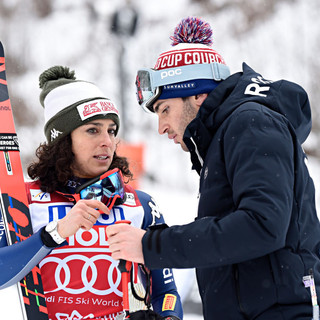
199 98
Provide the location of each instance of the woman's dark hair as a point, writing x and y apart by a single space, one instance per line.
53 168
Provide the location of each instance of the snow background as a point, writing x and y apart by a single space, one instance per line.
280 39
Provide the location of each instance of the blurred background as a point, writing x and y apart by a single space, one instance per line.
105 42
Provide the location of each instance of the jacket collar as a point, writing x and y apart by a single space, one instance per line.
199 132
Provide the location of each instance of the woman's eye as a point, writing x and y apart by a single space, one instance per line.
112 131
92 130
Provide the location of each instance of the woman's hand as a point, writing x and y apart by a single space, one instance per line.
82 215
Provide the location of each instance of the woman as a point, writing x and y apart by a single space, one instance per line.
80 278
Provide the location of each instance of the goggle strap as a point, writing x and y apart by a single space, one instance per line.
220 71
113 200
147 298
215 71
76 197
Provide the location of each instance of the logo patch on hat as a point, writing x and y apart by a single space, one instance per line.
96 107
55 133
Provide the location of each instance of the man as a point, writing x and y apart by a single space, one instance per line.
257 233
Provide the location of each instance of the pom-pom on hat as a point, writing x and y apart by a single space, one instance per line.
191 41
69 103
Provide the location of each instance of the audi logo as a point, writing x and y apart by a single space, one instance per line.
89 269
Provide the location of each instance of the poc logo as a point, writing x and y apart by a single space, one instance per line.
170 73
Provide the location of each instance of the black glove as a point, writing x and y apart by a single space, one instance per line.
145 315
149 315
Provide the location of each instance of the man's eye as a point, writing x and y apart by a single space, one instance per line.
165 109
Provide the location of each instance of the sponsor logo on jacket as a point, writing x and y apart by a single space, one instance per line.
258 87
40 196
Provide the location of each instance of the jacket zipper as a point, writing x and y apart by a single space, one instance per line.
236 280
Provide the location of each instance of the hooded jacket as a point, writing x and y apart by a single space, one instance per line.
257 232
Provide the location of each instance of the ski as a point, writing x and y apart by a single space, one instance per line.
14 208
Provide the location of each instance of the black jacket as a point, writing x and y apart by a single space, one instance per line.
257 232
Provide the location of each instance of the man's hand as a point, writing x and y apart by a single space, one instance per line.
125 242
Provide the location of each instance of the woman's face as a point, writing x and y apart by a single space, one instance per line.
93 146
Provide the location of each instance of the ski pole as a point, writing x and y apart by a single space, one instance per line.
309 283
125 268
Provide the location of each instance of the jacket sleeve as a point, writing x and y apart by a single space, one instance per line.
165 297
17 260
259 164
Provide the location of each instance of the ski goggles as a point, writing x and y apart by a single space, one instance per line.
150 81
107 188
